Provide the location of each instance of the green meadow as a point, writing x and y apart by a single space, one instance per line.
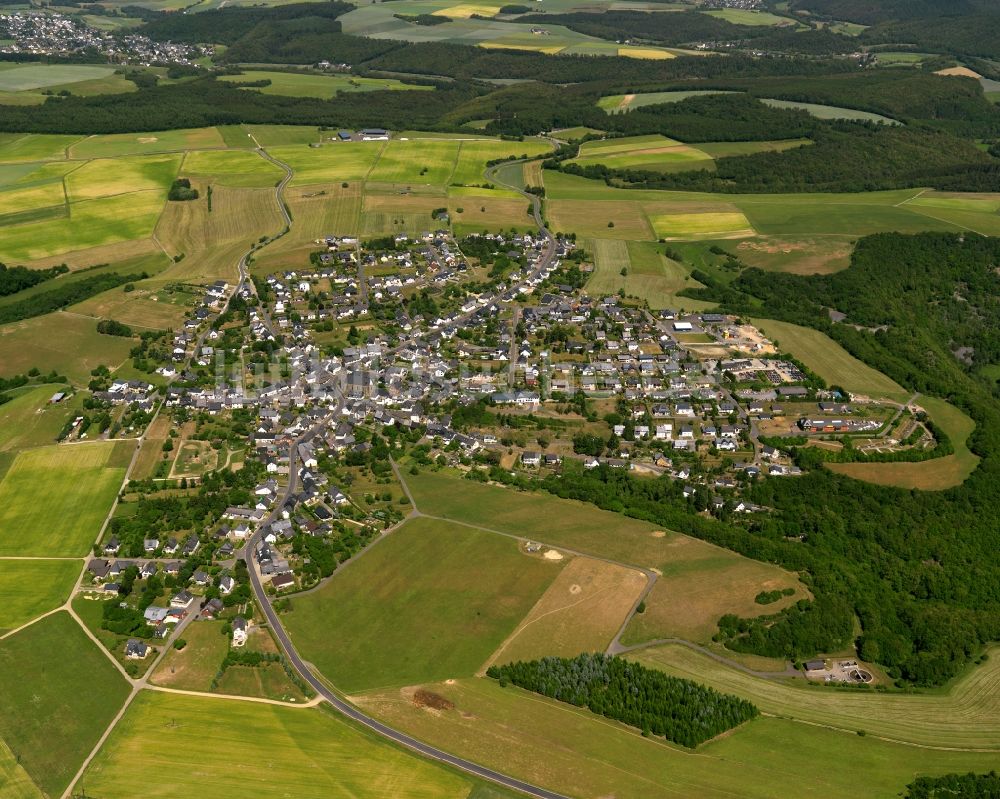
78 482
238 168
965 715
59 694
16 147
331 163
574 752
415 607
258 750
324 87
29 588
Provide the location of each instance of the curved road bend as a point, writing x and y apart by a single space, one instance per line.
345 708
339 704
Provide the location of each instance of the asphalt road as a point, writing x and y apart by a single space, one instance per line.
339 704
291 653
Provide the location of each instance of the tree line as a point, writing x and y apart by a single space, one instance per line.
679 710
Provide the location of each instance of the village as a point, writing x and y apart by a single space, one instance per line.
484 355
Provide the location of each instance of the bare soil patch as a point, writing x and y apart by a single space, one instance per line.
424 698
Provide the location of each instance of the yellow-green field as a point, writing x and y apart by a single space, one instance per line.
45 195
91 223
430 162
642 152
34 146
701 225
699 583
28 419
473 155
107 177
238 168
964 716
264 751
334 162
78 483
117 144
829 360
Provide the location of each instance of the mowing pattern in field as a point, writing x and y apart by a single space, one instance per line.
53 500
416 607
829 360
614 103
29 588
59 694
933 475
700 582
573 752
642 152
263 751
581 611
966 716
14 779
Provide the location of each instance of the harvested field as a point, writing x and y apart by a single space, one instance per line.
581 611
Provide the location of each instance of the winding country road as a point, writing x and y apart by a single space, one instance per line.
343 707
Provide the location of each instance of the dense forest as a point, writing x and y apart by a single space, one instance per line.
956 786
845 157
919 570
61 296
680 710
693 27
17 278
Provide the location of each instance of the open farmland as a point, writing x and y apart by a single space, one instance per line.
430 161
14 779
309 754
53 665
649 275
700 582
829 360
340 161
642 152
831 111
600 219
415 607
41 76
67 343
108 177
114 145
213 241
574 752
29 588
324 87
701 225
34 146
934 475
237 168
80 482
473 155
582 611
966 715
28 419
15 203
487 210
615 103
90 223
